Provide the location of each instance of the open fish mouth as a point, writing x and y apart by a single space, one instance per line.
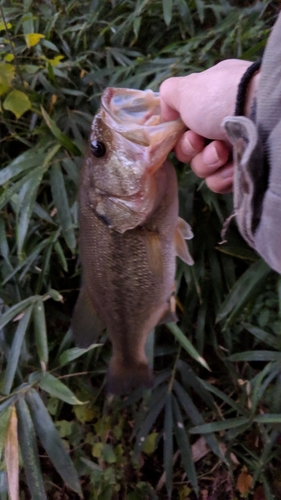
136 115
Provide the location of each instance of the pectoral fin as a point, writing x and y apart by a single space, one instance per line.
183 232
185 229
154 252
86 324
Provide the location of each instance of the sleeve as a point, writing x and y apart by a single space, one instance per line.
257 156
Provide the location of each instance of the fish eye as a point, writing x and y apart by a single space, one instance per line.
98 149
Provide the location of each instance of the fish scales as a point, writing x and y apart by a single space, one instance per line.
127 247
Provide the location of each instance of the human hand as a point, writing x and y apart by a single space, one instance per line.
203 100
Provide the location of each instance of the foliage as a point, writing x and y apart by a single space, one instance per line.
218 370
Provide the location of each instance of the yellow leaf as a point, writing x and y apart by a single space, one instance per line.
97 450
9 57
7 73
149 445
184 492
17 102
244 481
3 27
12 456
56 60
33 38
84 413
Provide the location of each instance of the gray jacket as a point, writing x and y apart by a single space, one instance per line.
257 160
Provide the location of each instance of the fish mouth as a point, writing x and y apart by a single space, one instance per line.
136 115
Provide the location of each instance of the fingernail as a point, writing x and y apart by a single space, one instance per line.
227 172
210 156
187 147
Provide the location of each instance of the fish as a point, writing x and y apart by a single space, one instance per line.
130 232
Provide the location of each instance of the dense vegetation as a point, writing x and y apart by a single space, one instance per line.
210 426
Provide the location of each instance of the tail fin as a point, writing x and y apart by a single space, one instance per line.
122 378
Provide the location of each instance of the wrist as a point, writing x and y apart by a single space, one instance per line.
247 90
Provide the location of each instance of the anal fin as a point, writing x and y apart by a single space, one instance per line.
86 324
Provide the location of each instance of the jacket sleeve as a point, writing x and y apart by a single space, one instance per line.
257 159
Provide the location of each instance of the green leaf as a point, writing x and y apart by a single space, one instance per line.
167 11
61 202
244 288
229 423
17 102
51 441
7 73
62 138
29 451
15 350
40 329
56 388
74 353
186 344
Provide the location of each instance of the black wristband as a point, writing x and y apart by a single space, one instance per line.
243 87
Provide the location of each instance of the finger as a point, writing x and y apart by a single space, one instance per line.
222 181
212 157
188 146
169 99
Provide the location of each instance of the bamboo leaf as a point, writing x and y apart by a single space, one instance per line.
5 415
61 202
56 388
184 446
41 331
229 423
167 11
243 289
74 353
147 424
256 356
196 417
29 451
62 138
14 354
186 344
12 456
27 205
52 442
168 444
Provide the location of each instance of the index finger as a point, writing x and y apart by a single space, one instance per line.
170 98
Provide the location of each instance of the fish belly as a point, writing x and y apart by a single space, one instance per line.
128 289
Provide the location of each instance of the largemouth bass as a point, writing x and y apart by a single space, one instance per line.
130 232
